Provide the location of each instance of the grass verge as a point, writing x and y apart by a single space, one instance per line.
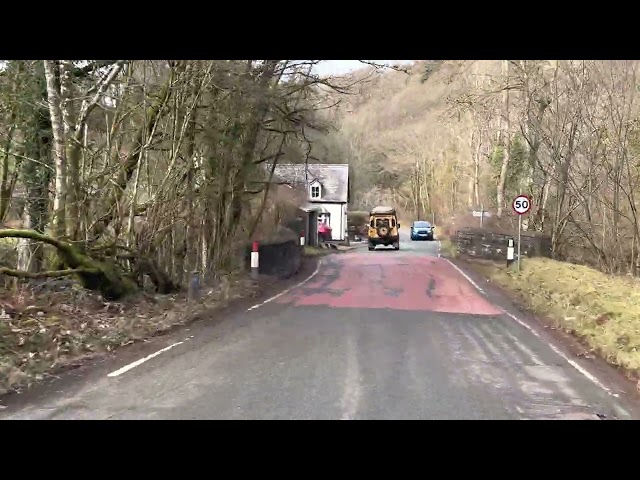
602 310
309 251
448 248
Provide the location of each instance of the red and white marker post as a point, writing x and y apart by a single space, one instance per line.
255 260
302 239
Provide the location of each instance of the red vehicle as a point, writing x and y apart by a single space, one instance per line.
324 232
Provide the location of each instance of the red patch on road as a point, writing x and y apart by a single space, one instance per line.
391 280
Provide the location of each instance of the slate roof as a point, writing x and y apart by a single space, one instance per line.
333 177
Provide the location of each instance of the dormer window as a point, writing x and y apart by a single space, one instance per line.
315 190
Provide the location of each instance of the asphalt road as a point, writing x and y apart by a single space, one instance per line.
373 335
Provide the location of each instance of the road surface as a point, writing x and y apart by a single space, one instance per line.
372 335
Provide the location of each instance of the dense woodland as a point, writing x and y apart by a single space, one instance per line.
451 136
121 170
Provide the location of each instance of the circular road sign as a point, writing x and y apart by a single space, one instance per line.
521 204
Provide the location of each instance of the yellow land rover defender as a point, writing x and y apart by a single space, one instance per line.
383 228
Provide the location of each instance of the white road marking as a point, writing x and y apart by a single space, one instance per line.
469 279
288 289
351 395
571 362
126 368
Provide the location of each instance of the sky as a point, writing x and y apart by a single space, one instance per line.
339 67
327 67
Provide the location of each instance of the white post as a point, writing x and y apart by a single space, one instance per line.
519 237
510 250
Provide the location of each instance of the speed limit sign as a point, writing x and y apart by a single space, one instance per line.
521 204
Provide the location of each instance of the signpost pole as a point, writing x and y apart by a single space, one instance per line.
521 205
481 215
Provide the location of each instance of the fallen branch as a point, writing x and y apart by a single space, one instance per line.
48 274
142 265
93 275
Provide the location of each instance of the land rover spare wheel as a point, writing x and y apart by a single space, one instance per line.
383 231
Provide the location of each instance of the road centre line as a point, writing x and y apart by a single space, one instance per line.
139 362
128 367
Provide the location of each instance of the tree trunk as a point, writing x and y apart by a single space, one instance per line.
72 151
505 140
53 97
476 168
7 184
35 171
36 179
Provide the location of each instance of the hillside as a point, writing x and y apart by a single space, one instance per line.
451 136
395 125
440 139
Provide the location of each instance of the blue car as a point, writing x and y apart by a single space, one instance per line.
421 231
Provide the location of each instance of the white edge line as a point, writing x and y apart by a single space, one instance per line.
571 362
288 289
126 368
469 279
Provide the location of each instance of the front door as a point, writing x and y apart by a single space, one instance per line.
324 218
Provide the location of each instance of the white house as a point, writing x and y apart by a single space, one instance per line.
327 186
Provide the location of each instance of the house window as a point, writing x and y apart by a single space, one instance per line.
315 191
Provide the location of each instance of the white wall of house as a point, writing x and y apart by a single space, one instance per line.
337 219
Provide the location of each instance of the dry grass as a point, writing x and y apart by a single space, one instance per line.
602 310
448 248
443 234
310 251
